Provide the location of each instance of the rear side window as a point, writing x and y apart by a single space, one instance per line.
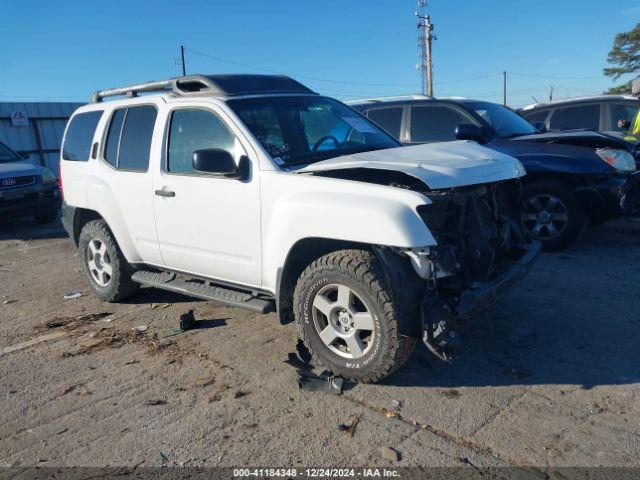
77 140
572 118
622 117
129 138
435 123
540 116
388 118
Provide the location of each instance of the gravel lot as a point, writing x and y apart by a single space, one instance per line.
548 377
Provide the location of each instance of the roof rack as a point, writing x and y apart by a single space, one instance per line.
219 85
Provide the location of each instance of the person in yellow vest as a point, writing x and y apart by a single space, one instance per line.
634 128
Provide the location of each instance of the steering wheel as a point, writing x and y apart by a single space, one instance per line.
324 139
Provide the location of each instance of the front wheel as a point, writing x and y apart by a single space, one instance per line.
103 264
347 318
553 214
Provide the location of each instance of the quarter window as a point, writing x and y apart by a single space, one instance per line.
540 116
129 138
77 141
622 117
572 118
435 123
388 118
191 130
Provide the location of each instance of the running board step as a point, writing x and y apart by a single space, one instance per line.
203 289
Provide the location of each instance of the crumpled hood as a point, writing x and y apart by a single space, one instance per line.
438 165
18 169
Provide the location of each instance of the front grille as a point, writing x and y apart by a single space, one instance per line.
14 182
476 223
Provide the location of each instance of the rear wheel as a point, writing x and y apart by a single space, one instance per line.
553 214
103 264
346 317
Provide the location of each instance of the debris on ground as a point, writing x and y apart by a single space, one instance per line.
83 392
72 295
307 380
160 305
350 428
131 362
155 402
390 414
396 404
240 394
70 323
140 328
66 389
389 454
451 393
187 320
7 302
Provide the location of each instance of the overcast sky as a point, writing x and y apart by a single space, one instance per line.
344 48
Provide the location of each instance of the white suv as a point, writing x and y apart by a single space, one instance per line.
254 191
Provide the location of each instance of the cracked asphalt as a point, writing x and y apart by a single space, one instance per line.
550 376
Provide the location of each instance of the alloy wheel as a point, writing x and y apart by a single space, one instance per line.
343 321
545 216
99 262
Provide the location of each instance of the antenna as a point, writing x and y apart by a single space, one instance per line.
425 37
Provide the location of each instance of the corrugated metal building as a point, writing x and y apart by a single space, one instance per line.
35 129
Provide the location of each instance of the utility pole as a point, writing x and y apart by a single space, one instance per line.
184 67
551 94
425 37
504 88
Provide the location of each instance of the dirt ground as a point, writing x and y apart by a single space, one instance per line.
550 376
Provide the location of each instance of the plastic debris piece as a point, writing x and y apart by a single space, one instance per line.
396 403
351 427
187 320
390 414
72 295
327 384
389 454
140 328
7 302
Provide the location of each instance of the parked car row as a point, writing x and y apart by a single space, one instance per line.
573 178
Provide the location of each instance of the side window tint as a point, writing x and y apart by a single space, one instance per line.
388 118
135 141
77 141
622 117
536 116
435 124
571 118
113 137
195 129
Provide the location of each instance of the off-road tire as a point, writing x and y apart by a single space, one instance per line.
46 216
120 286
361 272
578 219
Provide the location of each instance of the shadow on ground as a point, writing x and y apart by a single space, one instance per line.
28 229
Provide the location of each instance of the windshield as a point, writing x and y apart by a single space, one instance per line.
7 155
505 122
300 130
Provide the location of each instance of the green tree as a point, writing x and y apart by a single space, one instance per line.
625 55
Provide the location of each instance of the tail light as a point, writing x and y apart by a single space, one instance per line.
60 180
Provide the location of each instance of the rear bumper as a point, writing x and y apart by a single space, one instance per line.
68 214
21 202
482 295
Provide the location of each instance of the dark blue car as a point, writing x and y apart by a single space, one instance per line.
573 179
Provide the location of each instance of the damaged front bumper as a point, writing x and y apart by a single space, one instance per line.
439 318
482 295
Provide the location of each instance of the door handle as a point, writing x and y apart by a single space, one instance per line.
165 193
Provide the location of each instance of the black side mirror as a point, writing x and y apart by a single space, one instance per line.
540 126
469 131
220 163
